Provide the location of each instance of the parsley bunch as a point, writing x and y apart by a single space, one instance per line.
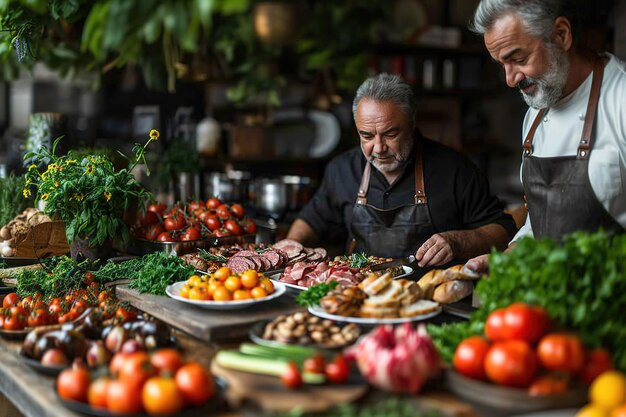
312 296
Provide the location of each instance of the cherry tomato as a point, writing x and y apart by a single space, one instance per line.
166 237
547 385
73 384
469 357
203 215
561 352
192 233
223 211
88 278
148 218
176 222
213 203
232 226
213 222
315 364
157 208
338 370
10 300
195 383
125 314
597 362
38 317
192 206
511 362
14 321
249 226
153 231
161 397
26 303
237 211
222 232
166 361
291 378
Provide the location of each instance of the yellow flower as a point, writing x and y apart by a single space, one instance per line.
56 183
107 195
26 192
90 169
33 166
79 196
52 167
154 134
45 196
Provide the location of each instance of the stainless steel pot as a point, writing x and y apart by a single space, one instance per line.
298 191
270 196
228 187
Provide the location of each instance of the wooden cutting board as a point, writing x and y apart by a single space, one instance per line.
268 393
208 325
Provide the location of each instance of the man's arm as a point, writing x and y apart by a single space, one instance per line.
300 231
442 247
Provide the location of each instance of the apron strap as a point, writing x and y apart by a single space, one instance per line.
420 191
584 146
365 184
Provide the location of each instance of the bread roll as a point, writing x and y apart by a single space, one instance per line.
452 291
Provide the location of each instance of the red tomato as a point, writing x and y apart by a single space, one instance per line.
195 383
166 237
166 360
88 278
203 215
97 392
174 223
469 357
315 364
237 211
126 314
192 233
212 222
213 203
136 368
232 226
248 225
148 218
511 362
223 211
291 378
10 300
124 397
73 384
495 324
561 352
525 322
152 232
222 232
338 370
598 361
547 385
38 317
14 321
157 208
194 205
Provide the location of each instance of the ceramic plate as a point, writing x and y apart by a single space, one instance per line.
276 277
366 321
256 335
174 292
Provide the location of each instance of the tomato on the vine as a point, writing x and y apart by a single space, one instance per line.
125 314
192 206
213 222
10 300
213 203
233 227
148 218
157 208
469 357
222 232
166 237
153 231
237 210
561 352
223 211
38 317
192 233
88 278
176 222
249 226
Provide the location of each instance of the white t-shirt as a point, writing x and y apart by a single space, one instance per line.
559 133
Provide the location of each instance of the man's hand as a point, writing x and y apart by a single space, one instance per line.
437 250
479 264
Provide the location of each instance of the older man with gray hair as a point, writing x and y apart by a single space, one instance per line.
574 133
400 193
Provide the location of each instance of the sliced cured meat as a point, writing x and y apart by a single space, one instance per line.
314 256
276 261
266 263
296 259
240 264
283 255
283 244
322 252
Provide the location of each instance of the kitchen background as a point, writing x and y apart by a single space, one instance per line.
254 97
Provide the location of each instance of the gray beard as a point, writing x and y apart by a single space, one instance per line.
398 161
550 85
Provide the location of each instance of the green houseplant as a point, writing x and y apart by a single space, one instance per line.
88 193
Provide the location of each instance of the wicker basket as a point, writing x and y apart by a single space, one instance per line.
44 240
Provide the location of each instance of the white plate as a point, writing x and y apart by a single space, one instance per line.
174 292
320 312
276 277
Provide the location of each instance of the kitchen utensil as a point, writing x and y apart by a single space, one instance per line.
229 187
270 196
396 262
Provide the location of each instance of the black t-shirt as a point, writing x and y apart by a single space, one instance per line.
458 193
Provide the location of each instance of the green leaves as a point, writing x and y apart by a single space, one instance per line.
156 271
312 295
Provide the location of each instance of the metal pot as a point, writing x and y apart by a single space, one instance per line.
228 187
298 191
270 196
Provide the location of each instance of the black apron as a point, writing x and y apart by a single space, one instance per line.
558 192
395 232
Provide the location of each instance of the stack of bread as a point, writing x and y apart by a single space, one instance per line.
448 285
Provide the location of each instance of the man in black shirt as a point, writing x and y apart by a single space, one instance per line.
421 198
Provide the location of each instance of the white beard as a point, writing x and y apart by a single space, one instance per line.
399 158
550 85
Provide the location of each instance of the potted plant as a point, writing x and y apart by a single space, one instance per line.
87 193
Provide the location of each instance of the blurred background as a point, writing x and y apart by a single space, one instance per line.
253 98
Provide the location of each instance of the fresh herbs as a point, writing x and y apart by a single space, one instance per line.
580 283
312 296
208 256
158 270
12 200
359 260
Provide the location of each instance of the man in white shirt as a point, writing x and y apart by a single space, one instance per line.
574 133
